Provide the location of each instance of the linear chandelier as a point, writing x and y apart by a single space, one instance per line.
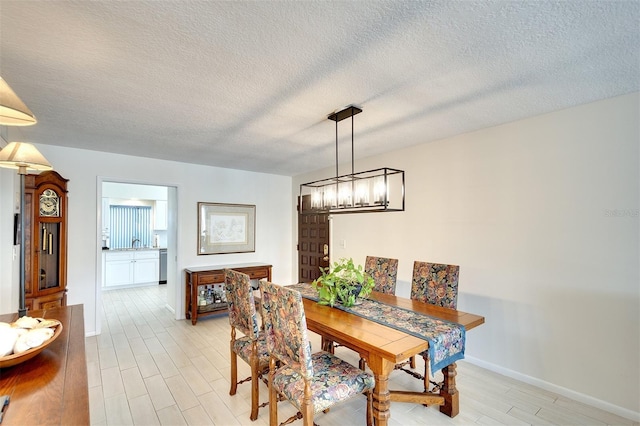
378 190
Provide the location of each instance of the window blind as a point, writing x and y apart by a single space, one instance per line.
128 224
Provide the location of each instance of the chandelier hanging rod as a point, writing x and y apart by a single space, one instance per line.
343 114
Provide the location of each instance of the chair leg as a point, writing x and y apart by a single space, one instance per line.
369 407
255 393
307 407
234 372
273 397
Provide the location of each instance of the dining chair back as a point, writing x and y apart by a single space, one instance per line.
241 303
435 283
384 272
311 382
251 347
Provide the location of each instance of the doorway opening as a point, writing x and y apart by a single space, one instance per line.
150 243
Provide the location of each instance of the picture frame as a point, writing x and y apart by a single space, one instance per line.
226 228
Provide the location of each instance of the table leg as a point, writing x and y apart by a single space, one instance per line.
381 369
193 302
327 345
451 405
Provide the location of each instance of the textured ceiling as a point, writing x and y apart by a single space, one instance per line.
249 85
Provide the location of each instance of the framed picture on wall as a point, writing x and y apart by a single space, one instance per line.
226 228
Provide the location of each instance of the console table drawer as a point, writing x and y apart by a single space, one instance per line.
213 278
258 273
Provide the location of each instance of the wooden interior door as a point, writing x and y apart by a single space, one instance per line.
313 243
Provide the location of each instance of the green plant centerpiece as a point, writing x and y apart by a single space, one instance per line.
342 283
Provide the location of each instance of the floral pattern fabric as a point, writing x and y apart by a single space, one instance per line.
384 272
241 303
244 348
331 379
334 380
286 327
435 283
446 339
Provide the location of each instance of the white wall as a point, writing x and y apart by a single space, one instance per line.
542 217
128 190
7 209
270 194
8 275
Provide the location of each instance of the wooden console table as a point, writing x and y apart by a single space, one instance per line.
50 388
214 276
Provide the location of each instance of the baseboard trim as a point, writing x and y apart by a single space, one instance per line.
576 396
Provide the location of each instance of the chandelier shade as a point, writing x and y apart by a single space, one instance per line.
13 112
377 190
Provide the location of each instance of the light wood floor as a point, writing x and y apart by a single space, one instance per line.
148 369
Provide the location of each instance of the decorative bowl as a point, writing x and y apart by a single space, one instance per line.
14 359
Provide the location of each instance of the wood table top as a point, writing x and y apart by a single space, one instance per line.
465 319
52 387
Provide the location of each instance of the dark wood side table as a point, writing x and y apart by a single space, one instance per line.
203 276
50 388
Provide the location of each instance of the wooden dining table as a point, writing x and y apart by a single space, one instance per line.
50 388
383 347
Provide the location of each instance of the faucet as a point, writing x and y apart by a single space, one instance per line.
133 242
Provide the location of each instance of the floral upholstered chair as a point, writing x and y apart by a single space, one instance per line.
384 272
251 347
437 284
311 382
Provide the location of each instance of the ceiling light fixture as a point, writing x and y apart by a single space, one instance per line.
13 112
378 190
21 156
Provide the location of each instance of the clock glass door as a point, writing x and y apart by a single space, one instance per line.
49 258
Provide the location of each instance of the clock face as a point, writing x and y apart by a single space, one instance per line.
49 203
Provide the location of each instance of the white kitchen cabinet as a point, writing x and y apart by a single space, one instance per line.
106 222
131 267
160 215
118 268
146 266
106 214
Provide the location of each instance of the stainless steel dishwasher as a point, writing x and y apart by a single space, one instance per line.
163 266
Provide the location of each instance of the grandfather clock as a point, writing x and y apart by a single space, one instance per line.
46 240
